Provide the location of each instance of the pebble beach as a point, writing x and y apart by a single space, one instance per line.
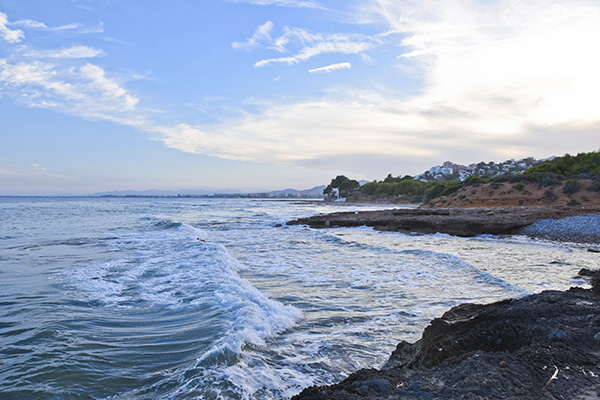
576 229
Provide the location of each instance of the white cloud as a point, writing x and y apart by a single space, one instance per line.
508 64
284 3
32 170
33 24
331 68
500 80
10 35
61 80
309 45
261 35
66 53
30 23
84 91
294 133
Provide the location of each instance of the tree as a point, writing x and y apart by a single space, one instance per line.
369 189
343 185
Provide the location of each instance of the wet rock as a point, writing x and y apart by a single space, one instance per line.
542 346
587 272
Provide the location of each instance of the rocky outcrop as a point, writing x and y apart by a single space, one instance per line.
453 221
543 346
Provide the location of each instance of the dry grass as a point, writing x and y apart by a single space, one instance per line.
504 194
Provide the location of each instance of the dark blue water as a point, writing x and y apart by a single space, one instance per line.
211 299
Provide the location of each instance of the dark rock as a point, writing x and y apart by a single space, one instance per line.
453 221
595 281
587 272
543 346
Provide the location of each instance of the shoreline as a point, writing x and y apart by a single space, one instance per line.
542 346
465 222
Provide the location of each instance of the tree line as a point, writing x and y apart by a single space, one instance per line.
407 189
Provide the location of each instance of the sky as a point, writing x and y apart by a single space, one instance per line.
256 95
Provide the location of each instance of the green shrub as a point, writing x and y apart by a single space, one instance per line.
571 186
594 187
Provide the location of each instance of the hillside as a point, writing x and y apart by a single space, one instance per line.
556 180
580 193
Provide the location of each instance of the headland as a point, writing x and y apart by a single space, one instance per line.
468 221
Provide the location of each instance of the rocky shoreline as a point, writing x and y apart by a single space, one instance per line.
543 346
453 221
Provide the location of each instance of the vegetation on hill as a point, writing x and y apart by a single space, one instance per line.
566 169
569 166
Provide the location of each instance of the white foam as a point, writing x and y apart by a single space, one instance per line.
172 268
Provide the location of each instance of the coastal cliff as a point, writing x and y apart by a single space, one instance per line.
543 346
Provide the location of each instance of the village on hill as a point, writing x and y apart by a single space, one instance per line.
451 171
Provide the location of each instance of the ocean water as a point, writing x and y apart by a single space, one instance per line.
132 298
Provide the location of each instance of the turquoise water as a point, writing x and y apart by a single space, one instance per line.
109 298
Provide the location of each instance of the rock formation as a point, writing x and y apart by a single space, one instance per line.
543 346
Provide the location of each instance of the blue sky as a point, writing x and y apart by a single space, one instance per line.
267 94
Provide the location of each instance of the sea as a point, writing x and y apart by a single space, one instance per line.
195 298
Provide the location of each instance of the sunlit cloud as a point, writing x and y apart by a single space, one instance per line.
294 133
507 64
498 80
331 68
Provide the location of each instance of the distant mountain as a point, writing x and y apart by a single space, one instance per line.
317 191
160 193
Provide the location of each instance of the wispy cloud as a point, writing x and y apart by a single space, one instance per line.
284 3
32 179
305 44
499 79
30 23
261 35
33 24
331 68
84 91
60 79
33 170
65 53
